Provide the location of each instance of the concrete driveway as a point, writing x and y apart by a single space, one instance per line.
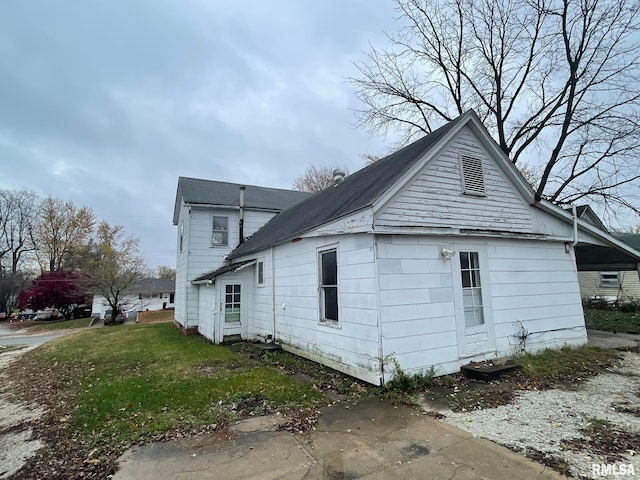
370 439
21 337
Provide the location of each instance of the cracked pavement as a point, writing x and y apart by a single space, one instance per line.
368 439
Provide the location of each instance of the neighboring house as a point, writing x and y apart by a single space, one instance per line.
207 214
613 284
435 256
149 294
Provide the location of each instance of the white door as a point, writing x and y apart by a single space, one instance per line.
231 308
474 319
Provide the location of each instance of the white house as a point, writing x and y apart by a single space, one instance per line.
149 294
207 214
436 255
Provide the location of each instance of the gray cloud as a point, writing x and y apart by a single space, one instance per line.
107 103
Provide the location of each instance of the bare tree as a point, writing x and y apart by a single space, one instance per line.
18 219
63 230
555 82
117 265
315 179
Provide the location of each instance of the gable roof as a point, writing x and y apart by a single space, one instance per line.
196 191
355 192
153 285
586 213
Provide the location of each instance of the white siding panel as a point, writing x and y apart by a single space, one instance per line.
531 282
352 347
435 198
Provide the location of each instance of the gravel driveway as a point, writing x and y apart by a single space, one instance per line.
546 421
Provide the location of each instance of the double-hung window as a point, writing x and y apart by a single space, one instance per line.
328 285
220 231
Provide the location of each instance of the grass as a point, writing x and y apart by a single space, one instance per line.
566 366
563 368
612 320
45 327
143 380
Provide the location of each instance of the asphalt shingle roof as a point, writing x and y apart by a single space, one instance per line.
154 285
211 192
354 193
224 269
631 239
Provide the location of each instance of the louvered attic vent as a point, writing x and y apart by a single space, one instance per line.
472 175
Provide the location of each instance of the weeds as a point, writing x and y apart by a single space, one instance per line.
408 382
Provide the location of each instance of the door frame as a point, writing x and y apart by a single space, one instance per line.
488 328
219 323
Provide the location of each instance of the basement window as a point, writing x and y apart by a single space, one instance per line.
609 279
329 286
472 176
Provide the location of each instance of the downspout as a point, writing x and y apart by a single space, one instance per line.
273 291
241 234
575 226
376 260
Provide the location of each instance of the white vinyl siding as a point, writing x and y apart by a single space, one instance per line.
434 197
530 282
350 346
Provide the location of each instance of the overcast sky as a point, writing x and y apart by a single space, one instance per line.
106 103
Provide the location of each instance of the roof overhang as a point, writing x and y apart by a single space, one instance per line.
210 278
610 254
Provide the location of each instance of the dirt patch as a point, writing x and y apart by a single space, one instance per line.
604 438
18 442
155 316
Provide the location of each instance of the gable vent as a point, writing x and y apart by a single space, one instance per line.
472 175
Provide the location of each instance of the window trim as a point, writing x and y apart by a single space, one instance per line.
322 320
467 188
226 244
610 284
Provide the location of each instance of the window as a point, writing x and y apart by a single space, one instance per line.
472 175
220 231
172 297
329 286
260 272
471 289
609 279
181 233
232 304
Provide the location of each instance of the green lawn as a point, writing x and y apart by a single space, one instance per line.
612 320
79 323
143 380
